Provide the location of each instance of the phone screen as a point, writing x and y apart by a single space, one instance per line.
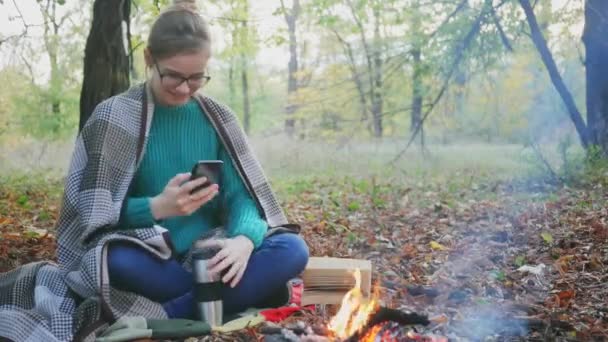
209 169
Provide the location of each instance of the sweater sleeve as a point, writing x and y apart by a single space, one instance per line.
136 213
241 215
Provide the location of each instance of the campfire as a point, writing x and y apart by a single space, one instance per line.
360 318
354 311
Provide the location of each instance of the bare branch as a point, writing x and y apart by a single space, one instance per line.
462 47
501 32
545 54
539 154
238 20
295 10
364 41
284 11
25 25
16 36
67 16
29 67
353 69
458 8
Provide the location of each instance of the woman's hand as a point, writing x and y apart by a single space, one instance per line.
234 256
176 200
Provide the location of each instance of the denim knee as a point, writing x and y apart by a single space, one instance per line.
298 252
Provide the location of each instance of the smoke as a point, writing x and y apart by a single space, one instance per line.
480 283
486 321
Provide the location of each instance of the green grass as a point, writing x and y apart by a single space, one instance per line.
24 183
293 159
295 167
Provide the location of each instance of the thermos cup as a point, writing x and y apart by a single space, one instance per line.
207 287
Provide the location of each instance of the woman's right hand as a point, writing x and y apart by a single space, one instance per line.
176 200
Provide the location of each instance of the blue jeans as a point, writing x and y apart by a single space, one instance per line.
279 258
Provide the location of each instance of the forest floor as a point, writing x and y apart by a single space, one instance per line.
487 259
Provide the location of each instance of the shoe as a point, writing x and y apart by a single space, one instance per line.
288 295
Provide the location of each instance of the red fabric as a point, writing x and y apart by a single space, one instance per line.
279 314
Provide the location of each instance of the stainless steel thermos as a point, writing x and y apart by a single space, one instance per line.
207 288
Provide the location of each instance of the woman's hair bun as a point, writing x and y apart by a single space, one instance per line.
186 4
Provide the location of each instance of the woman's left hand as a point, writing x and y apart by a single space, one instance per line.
233 256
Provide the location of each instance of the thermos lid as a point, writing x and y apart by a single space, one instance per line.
205 253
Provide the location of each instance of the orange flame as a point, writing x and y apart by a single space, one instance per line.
372 334
354 311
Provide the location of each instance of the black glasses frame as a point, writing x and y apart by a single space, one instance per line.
203 80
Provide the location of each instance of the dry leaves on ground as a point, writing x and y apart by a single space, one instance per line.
507 266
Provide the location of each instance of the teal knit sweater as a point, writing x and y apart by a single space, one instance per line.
179 137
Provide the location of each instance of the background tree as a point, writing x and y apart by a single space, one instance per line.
43 108
291 18
596 65
107 55
354 69
593 133
241 45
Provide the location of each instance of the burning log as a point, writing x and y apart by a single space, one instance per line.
299 332
395 332
418 290
358 319
391 319
405 318
384 324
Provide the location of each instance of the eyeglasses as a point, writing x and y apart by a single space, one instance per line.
171 80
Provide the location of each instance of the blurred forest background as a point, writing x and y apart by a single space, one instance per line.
452 142
357 75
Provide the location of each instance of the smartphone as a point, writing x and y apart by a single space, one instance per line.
206 168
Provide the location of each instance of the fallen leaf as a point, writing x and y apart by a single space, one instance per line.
409 250
520 260
437 246
564 298
5 221
536 270
440 319
547 237
498 275
595 263
567 294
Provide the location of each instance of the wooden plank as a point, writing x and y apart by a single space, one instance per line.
327 279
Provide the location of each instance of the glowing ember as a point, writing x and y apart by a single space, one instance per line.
354 311
372 334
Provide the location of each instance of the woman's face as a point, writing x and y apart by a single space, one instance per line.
175 79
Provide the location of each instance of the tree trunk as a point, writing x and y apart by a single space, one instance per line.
56 86
52 24
460 79
596 52
292 82
374 66
377 99
245 89
417 86
352 65
52 48
231 83
106 58
558 82
416 118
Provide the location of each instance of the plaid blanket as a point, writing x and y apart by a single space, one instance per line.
72 300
